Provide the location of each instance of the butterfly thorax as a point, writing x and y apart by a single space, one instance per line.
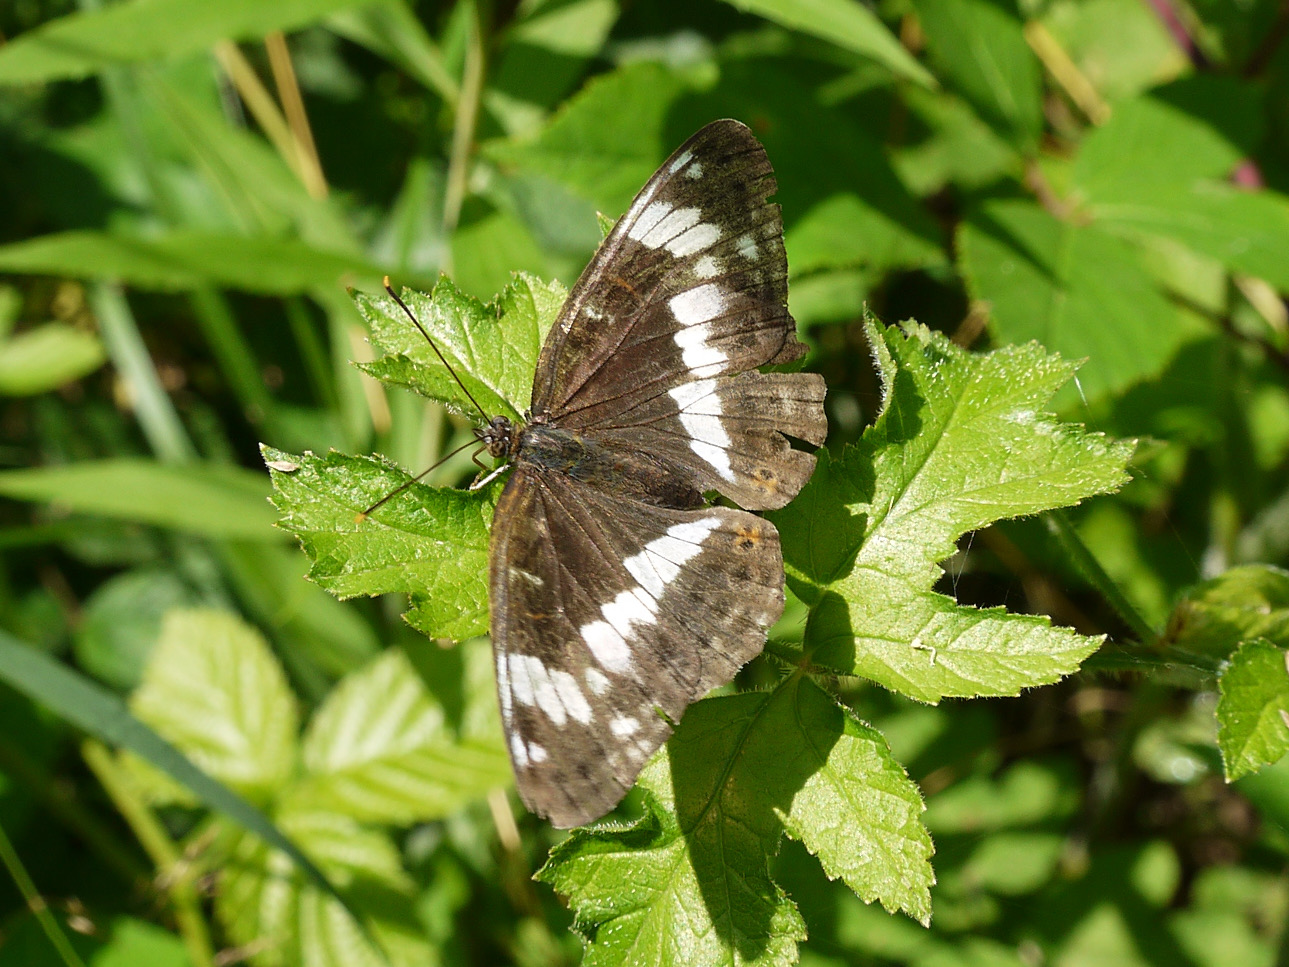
627 473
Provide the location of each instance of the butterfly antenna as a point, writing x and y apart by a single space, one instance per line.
362 515
417 322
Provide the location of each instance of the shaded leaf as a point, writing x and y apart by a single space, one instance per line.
978 45
689 882
1238 605
846 24
1253 708
1077 289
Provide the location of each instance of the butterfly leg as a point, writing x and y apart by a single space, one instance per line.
481 481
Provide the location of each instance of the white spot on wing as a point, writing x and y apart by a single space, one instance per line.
700 415
680 162
707 267
747 247
699 357
651 216
556 693
673 222
517 750
699 304
609 648
654 567
503 689
694 171
702 236
597 682
536 752
624 725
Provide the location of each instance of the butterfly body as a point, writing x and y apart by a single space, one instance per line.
618 595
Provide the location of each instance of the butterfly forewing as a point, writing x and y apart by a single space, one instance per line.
689 290
615 615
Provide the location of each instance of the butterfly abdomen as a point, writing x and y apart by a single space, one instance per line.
613 470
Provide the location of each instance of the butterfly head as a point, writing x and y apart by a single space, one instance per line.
498 436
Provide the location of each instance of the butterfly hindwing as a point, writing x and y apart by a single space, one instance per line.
655 346
609 617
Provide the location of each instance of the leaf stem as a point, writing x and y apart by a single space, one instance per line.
159 847
36 903
1058 524
467 119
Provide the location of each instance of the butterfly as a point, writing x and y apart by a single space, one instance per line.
618 594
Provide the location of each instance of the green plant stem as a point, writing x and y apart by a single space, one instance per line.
71 812
1061 528
233 353
157 417
36 903
313 350
159 847
463 129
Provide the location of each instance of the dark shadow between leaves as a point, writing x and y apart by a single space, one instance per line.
736 763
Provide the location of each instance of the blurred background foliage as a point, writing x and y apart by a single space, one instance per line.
187 188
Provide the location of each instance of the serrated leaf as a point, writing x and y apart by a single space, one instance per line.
1238 605
857 811
264 904
1253 708
962 441
689 883
429 542
383 750
1079 290
213 688
979 46
492 347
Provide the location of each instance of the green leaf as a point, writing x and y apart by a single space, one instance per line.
187 260
1160 167
407 761
978 45
1198 128
1253 708
689 882
429 542
491 347
121 622
99 713
1077 289
123 33
843 204
1238 605
214 688
217 501
857 811
46 357
848 25
262 900
962 441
